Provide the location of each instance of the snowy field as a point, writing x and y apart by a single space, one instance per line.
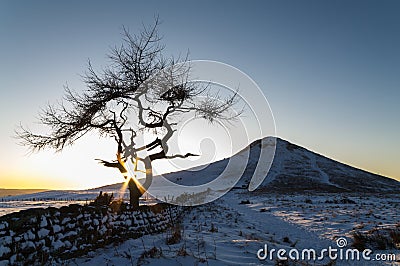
333 215
227 232
231 230
53 198
15 206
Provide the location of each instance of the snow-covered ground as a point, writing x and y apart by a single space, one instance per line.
333 215
227 232
15 206
221 233
55 198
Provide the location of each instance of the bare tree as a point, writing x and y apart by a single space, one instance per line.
140 91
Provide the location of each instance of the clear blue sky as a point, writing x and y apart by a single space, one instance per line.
329 69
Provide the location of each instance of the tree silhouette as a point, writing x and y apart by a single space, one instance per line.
139 92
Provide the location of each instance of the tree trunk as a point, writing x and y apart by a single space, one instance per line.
134 194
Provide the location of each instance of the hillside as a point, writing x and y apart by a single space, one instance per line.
295 168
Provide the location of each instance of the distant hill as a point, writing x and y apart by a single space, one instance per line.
296 169
15 192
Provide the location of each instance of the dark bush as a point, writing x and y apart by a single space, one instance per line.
308 201
175 235
103 199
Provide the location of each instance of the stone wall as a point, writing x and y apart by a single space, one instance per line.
37 236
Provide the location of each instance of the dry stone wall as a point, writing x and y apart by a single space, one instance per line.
37 236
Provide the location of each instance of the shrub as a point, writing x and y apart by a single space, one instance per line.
213 228
151 253
118 206
103 199
395 235
375 239
175 235
359 241
182 252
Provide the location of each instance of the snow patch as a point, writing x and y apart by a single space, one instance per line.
43 222
43 232
3 225
56 228
4 250
57 245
